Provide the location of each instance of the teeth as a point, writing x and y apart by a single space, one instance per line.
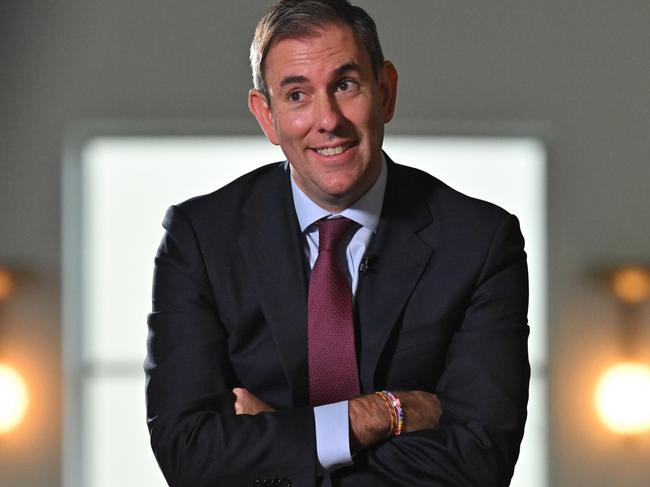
330 151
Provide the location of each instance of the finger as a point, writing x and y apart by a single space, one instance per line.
239 392
240 398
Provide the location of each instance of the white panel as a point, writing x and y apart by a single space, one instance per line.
115 439
531 469
128 184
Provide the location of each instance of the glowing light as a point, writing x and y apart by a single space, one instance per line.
631 284
6 284
13 399
623 398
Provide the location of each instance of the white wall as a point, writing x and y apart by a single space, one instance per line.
581 68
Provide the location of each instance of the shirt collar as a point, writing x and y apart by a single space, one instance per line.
365 211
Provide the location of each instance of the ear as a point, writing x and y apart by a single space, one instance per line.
388 87
260 108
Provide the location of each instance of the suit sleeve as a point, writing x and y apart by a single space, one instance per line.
483 389
195 435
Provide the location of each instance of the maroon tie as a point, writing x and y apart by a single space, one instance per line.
330 331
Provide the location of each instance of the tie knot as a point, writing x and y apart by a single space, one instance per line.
331 231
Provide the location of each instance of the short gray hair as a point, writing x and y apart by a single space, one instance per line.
304 18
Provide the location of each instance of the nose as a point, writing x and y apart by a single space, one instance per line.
328 114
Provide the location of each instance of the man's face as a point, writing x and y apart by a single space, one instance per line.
327 112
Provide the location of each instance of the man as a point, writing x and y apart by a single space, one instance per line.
335 318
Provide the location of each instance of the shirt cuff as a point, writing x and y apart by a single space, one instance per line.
332 435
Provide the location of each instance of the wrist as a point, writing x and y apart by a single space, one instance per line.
370 421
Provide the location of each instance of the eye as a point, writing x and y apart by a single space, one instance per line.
296 96
346 85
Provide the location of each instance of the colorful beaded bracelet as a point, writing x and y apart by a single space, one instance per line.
398 418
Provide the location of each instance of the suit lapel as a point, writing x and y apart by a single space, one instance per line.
399 257
276 261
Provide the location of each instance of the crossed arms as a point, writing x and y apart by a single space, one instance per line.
370 421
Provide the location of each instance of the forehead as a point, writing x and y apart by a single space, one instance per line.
320 53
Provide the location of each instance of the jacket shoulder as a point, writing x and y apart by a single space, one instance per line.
445 202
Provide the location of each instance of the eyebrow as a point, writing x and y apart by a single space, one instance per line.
341 70
289 80
346 68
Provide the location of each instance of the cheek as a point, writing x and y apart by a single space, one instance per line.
293 125
376 123
288 125
298 125
364 115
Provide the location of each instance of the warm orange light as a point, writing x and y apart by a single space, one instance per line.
623 398
6 284
13 398
631 284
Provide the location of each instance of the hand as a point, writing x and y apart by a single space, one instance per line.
247 403
370 418
421 409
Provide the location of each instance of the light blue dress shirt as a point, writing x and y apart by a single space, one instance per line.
331 420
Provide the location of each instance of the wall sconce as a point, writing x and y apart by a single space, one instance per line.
13 390
631 285
13 399
623 398
623 391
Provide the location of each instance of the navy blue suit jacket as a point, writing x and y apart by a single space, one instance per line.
442 309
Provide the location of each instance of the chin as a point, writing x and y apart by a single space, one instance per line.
339 189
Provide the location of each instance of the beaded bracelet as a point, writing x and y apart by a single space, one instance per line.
401 417
398 418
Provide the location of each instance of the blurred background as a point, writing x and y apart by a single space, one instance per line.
570 78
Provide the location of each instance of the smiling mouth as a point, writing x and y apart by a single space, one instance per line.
333 151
